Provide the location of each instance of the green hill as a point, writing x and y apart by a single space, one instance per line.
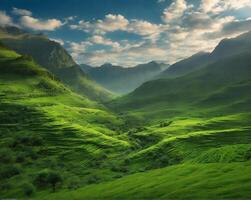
45 127
54 58
181 138
194 89
192 181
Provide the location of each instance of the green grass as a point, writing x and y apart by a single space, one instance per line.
187 181
78 136
153 147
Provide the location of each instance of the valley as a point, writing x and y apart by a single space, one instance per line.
184 134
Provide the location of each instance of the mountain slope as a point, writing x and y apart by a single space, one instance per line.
44 126
195 86
55 58
123 80
226 48
185 137
232 46
177 182
186 66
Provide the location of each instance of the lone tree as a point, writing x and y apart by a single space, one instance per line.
48 178
54 178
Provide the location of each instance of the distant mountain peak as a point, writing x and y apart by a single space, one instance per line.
107 65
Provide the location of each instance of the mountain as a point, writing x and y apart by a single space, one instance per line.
186 66
186 137
214 77
194 137
232 46
54 58
226 48
123 80
45 128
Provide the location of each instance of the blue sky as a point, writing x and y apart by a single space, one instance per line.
130 32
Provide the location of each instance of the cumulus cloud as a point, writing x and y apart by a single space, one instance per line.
22 12
40 25
109 24
218 6
113 23
186 29
143 28
78 50
175 10
232 28
5 19
97 39
127 57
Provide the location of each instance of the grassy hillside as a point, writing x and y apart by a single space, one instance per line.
172 96
192 134
181 138
191 181
45 127
54 58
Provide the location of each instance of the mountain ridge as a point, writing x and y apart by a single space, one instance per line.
122 80
54 58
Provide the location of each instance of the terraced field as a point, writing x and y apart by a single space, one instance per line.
44 123
170 143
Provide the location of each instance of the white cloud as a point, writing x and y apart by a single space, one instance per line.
5 19
113 23
97 39
218 6
60 41
175 10
77 50
69 19
22 12
143 28
40 25
186 29
109 24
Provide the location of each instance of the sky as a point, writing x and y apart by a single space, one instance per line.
130 32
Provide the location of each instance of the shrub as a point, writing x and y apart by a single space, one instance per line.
28 189
48 178
20 157
165 124
73 183
92 179
25 140
6 156
9 171
5 186
54 178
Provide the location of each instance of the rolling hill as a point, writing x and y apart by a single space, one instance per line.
185 137
45 127
54 58
122 80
